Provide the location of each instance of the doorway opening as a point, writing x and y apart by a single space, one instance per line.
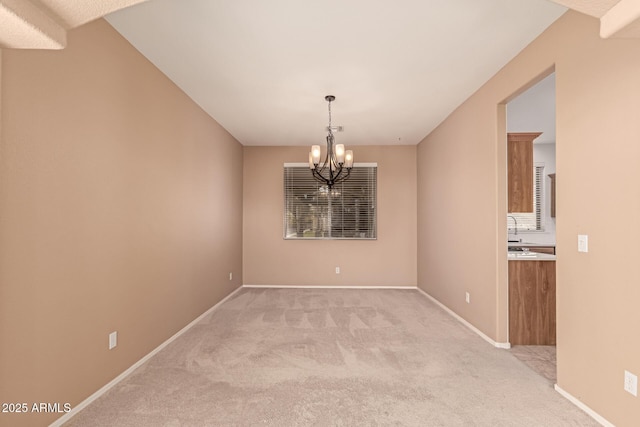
531 232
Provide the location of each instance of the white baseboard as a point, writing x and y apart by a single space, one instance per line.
66 417
327 287
593 414
504 345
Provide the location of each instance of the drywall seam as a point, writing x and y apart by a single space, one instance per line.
60 421
593 414
503 345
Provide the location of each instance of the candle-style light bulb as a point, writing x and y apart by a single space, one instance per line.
348 161
340 153
315 154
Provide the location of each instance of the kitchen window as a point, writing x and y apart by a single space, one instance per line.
531 221
347 211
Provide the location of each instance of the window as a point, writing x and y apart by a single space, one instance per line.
347 211
531 221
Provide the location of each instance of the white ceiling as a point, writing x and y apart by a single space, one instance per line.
397 69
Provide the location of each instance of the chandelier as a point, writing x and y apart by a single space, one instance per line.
332 169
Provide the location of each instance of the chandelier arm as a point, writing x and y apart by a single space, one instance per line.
342 178
324 165
347 175
334 162
319 177
316 175
337 175
330 181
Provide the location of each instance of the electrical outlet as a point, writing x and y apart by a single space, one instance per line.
583 243
467 297
631 383
230 276
337 270
113 340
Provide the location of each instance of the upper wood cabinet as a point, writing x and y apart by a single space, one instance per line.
520 170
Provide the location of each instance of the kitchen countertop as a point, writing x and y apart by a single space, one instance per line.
529 256
529 244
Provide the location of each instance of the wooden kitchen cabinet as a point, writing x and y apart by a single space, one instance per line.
520 170
532 302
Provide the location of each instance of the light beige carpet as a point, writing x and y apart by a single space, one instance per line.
331 357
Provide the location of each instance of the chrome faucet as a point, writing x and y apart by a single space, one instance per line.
515 221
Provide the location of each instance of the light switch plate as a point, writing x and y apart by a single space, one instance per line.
583 243
113 340
631 383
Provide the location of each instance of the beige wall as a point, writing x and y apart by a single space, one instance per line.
120 210
388 261
461 168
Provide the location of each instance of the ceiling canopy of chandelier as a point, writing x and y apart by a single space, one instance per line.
337 164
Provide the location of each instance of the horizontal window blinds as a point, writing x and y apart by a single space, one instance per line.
347 211
531 221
